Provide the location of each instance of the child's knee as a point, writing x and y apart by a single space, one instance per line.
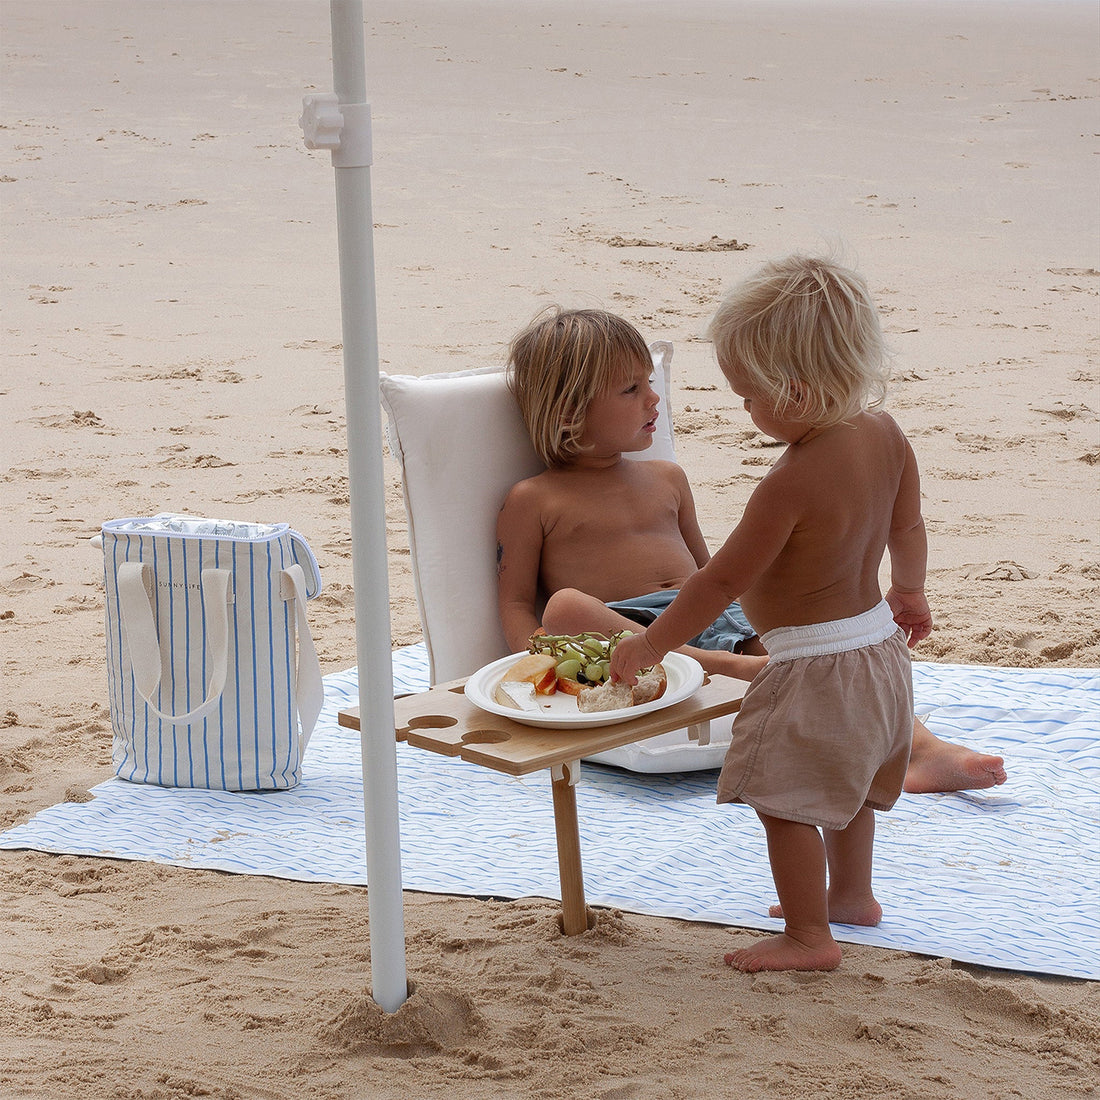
564 609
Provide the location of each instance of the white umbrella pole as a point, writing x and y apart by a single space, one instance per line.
355 231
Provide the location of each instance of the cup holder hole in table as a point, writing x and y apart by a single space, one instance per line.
485 737
432 722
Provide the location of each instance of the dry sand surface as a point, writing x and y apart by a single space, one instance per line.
171 340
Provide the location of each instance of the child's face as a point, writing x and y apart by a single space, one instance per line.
624 416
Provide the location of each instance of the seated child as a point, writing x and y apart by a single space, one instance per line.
593 529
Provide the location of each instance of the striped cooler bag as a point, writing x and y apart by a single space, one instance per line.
214 678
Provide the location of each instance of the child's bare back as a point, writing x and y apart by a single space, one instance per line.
840 495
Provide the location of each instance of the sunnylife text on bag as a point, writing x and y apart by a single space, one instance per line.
214 677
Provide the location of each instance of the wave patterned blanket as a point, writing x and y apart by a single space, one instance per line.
1005 878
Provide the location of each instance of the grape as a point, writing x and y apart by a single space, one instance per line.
595 672
569 669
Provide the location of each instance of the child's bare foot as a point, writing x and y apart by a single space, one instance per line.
865 911
785 953
941 766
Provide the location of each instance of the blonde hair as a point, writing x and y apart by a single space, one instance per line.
559 364
804 331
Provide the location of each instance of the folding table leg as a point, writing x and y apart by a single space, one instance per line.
573 910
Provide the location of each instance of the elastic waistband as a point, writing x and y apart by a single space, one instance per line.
786 643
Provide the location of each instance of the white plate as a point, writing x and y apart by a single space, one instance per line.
559 711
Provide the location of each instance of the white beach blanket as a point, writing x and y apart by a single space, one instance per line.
1003 878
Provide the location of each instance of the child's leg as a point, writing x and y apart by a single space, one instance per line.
849 853
797 856
570 611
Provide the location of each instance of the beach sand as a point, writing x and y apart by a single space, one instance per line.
171 341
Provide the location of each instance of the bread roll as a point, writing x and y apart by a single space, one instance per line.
651 685
607 696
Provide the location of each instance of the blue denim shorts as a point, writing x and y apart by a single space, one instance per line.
730 631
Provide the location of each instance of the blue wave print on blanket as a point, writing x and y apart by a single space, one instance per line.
1003 878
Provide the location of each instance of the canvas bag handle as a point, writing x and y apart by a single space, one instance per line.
311 690
302 554
141 635
136 612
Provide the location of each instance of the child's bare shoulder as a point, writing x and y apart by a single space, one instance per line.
655 479
663 468
878 444
884 420
889 429
870 428
528 490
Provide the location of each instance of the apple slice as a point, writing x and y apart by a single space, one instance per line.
538 669
570 687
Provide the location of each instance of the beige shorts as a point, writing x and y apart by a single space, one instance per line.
826 728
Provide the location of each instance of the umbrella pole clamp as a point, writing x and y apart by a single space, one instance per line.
342 128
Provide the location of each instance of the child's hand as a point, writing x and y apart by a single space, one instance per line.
911 613
632 652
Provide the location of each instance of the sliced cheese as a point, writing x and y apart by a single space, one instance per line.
517 693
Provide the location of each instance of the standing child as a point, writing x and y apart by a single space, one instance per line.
823 736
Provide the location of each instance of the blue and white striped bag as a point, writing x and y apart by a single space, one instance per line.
214 677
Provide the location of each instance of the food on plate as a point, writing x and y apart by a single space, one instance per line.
583 660
535 674
651 685
608 696
516 693
582 663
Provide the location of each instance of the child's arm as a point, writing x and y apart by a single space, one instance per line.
688 522
519 550
756 542
908 546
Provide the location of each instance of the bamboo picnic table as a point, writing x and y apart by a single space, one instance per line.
444 721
